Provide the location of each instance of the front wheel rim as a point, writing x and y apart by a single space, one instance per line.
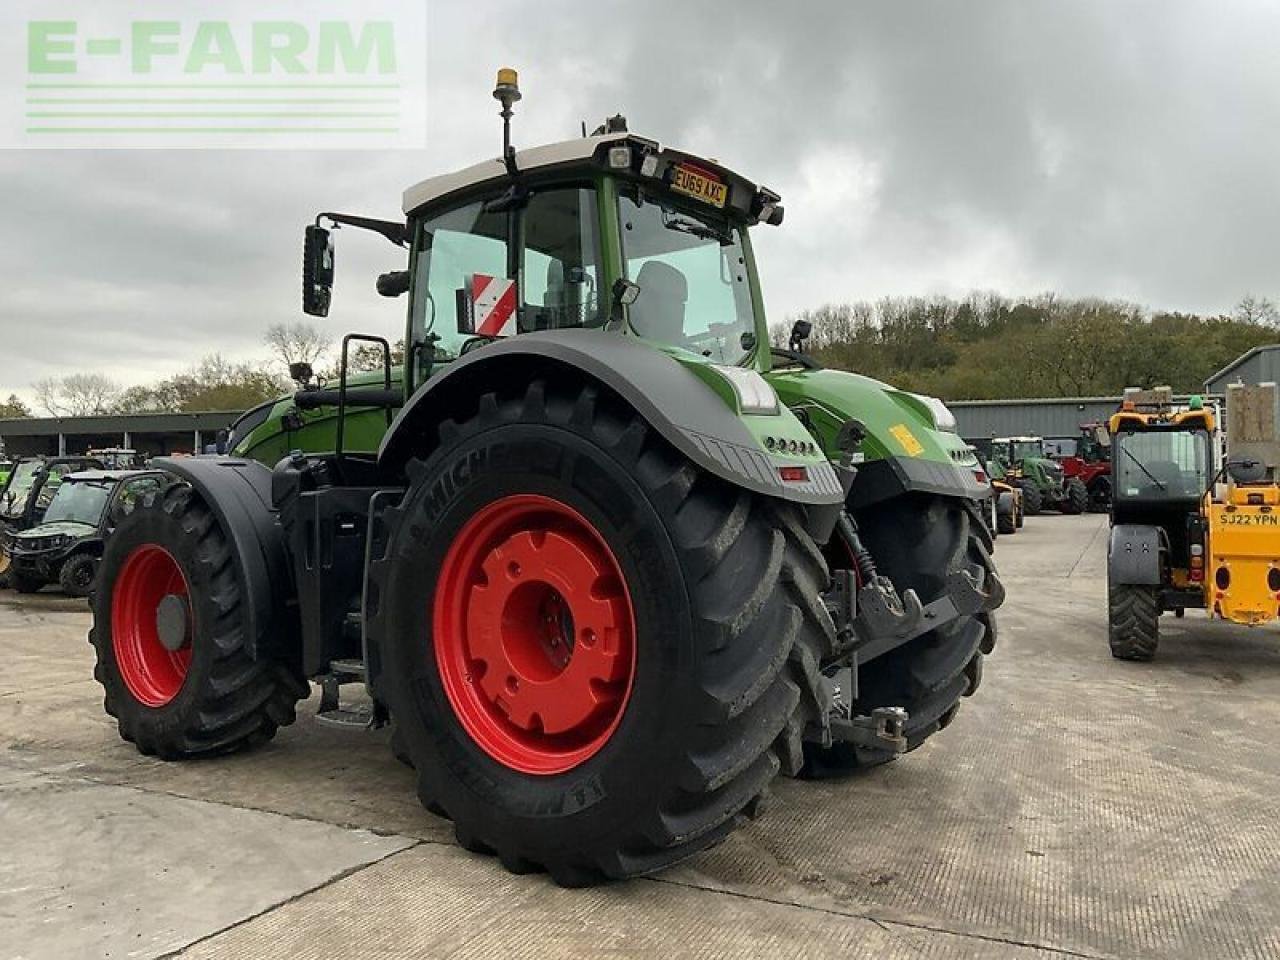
534 634
152 673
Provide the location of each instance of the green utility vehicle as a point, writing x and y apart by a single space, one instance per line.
1041 478
27 495
66 547
604 560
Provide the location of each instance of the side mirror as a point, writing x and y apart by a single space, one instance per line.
800 332
301 373
317 271
393 284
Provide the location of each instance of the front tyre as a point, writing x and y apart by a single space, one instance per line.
916 540
170 637
597 655
1133 621
1076 499
77 575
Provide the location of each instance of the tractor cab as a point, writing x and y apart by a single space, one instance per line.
611 231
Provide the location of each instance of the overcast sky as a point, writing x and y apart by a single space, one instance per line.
1126 149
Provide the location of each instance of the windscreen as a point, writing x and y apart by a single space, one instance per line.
1022 449
691 268
1162 464
80 502
14 499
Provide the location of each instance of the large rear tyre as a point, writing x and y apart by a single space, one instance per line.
1032 499
1100 495
597 655
169 634
916 541
1133 621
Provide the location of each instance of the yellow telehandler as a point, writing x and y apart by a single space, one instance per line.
1191 526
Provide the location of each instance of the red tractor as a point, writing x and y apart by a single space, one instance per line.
1091 463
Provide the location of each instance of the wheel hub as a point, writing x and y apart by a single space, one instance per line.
534 634
172 618
151 625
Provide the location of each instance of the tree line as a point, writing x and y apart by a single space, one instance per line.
981 347
213 383
988 347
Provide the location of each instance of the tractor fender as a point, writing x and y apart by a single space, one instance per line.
1134 556
674 402
238 492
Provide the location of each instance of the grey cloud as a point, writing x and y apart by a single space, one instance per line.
1119 148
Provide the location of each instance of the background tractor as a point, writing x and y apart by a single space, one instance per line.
1044 485
604 565
1090 463
1187 533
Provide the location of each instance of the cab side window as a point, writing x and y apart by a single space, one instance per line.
453 247
560 273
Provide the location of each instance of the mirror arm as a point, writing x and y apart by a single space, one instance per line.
393 230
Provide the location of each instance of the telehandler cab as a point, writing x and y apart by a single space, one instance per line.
605 561
1187 533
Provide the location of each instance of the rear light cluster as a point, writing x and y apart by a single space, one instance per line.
1196 573
793 474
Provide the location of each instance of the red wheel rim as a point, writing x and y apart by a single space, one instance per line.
534 634
153 674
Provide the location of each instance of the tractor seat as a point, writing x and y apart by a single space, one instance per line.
658 312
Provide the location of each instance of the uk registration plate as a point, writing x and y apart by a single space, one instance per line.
692 182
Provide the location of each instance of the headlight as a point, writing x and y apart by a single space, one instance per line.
943 419
753 391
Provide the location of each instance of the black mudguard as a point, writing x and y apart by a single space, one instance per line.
239 494
1135 555
673 401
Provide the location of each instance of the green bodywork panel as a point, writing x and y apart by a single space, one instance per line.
897 423
270 441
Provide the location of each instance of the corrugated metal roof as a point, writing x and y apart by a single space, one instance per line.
1211 384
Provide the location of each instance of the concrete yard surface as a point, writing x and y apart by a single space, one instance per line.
1077 807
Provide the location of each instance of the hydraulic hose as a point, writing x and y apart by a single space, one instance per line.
863 562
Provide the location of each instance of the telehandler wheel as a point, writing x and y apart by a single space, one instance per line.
1076 500
916 540
1005 522
76 575
597 655
1032 499
1133 622
169 634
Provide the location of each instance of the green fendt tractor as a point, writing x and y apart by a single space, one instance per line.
605 563
1043 485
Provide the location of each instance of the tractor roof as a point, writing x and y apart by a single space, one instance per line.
566 153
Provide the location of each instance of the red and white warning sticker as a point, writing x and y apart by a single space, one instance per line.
494 303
